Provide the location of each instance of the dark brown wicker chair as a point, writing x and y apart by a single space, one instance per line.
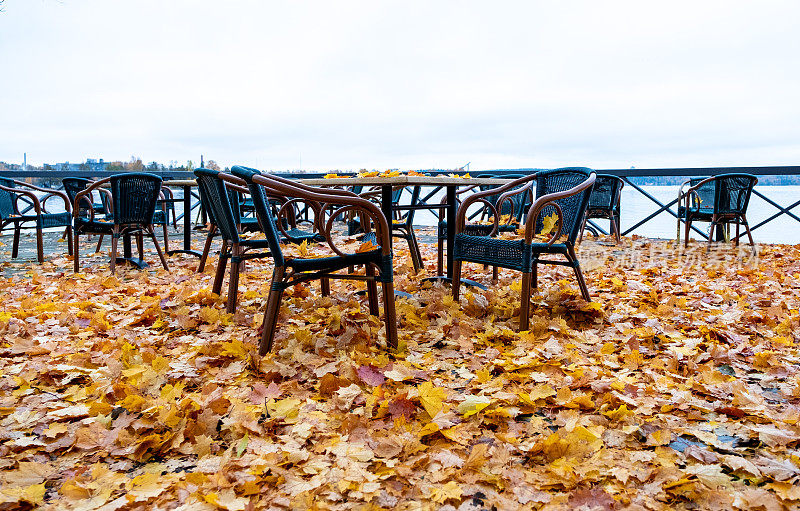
564 192
11 193
290 270
133 198
604 202
514 208
719 200
104 210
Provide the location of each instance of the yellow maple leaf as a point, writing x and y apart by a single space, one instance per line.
473 405
367 246
303 249
227 499
450 490
431 397
331 176
548 224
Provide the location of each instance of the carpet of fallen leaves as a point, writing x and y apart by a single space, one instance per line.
676 388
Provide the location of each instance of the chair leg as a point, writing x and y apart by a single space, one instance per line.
271 311
583 228
114 241
233 280
614 227
711 232
747 229
440 257
15 245
525 302
579 275
69 239
223 262
76 253
325 284
688 225
736 240
372 290
206 249
166 236
39 245
456 283
158 247
416 254
99 242
391 315
140 245
535 275
495 274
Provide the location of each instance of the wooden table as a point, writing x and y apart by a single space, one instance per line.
387 183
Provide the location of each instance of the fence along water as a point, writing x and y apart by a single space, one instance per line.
646 209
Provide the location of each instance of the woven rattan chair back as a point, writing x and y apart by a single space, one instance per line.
264 211
732 193
74 185
7 200
605 194
134 196
217 202
574 207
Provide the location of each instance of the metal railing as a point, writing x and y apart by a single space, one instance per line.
630 176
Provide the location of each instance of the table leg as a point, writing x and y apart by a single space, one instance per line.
187 224
452 207
187 218
127 253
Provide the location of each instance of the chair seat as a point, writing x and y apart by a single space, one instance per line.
697 213
334 263
599 212
477 229
299 236
96 226
48 219
503 253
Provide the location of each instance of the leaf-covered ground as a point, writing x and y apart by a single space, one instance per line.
677 388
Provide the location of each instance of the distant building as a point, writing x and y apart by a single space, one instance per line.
90 164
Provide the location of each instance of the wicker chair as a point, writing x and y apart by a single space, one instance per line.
221 200
604 202
105 208
564 192
515 209
133 200
719 200
243 224
289 271
11 192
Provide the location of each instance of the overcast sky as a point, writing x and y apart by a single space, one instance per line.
389 84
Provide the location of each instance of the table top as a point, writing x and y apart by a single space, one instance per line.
405 180
378 181
180 182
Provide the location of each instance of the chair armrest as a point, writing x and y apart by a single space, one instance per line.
549 199
30 195
49 192
348 201
481 196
